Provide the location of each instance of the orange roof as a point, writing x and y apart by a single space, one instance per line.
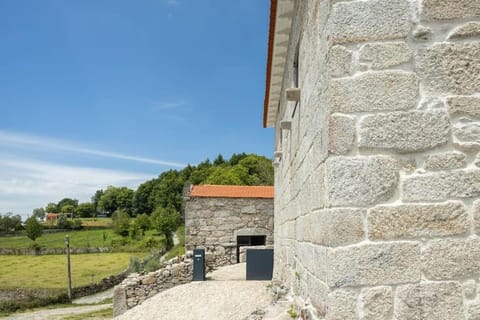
217 191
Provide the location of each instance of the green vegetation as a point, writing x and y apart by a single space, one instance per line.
291 312
10 223
33 229
50 271
166 221
179 249
86 239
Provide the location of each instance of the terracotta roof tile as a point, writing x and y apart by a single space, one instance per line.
217 191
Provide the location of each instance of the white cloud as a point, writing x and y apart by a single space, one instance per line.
16 139
26 184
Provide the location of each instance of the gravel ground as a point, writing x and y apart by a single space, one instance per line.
227 296
215 300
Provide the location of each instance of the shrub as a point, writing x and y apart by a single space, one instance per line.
33 229
76 224
121 222
135 265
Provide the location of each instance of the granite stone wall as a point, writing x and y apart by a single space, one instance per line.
377 204
136 288
214 224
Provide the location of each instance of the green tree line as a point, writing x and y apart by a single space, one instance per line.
166 191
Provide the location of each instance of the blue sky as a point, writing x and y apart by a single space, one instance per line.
112 92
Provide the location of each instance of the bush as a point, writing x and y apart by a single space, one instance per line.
135 265
76 224
33 229
152 265
121 223
151 243
62 222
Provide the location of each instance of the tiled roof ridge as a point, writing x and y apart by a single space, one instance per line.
231 191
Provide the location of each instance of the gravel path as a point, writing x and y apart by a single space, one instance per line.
51 314
95 298
227 296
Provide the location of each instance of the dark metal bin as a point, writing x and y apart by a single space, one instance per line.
199 265
259 264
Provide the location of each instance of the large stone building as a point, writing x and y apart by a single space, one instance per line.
222 219
376 109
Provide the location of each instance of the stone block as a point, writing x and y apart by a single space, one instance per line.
404 131
119 300
470 29
451 258
417 221
377 303
342 305
450 67
318 293
473 310
437 300
374 264
445 161
451 9
470 289
359 21
340 61
385 55
467 132
360 180
337 227
441 186
366 92
341 134
476 215
464 106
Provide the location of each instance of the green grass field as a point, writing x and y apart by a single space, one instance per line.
51 271
78 239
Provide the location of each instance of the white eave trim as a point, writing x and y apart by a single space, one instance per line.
283 24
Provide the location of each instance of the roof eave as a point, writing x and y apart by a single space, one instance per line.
281 14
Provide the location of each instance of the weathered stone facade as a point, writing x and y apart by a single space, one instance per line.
377 181
214 223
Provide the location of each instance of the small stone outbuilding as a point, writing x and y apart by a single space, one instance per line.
224 219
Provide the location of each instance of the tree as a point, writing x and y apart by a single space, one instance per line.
108 200
125 199
260 169
10 223
67 201
121 222
236 175
166 221
85 210
142 200
95 198
39 213
218 160
52 208
33 228
143 222
68 208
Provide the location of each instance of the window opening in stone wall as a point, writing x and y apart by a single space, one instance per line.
247 241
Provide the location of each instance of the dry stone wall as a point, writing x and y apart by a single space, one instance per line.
377 204
136 288
213 224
